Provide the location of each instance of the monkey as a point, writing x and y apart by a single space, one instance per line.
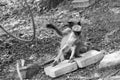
68 43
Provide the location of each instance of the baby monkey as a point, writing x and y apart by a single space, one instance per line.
69 41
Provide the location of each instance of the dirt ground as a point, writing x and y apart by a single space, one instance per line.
102 31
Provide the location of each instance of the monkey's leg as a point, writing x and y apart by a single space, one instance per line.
60 56
72 54
57 59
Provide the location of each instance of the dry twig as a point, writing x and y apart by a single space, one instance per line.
18 71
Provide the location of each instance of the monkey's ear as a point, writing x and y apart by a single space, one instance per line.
79 23
70 24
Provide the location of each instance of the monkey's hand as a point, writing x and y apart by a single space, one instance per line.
56 61
71 60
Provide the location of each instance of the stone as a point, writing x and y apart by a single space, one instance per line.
60 69
80 3
77 1
89 58
110 60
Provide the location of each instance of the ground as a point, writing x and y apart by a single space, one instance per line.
100 27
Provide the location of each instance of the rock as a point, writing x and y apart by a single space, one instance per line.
89 58
32 71
115 10
110 59
80 3
60 69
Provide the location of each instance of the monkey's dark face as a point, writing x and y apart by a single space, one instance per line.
71 24
77 33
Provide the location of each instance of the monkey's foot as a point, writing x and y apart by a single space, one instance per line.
71 60
56 61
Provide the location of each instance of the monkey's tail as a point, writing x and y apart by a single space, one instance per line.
51 26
